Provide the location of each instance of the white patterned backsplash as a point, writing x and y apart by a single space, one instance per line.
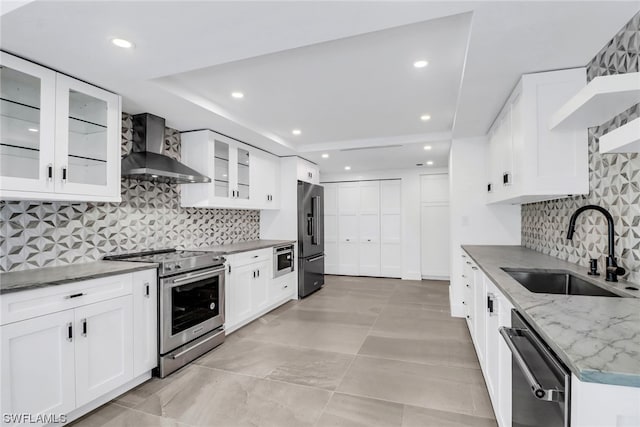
39 234
614 183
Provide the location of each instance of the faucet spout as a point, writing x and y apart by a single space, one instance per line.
612 267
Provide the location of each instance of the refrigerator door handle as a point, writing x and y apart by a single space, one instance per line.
315 258
315 202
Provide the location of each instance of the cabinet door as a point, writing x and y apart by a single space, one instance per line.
260 286
391 228
369 229
243 166
27 125
504 365
493 340
104 347
221 172
88 134
281 288
37 365
348 228
145 321
265 179
239 289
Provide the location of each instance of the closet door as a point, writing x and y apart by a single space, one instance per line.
348 205
331 257
435 226
390 228
369 228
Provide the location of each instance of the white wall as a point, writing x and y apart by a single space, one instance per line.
472 220
411 265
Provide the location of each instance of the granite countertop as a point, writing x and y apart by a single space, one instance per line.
598 338
234 248
15 281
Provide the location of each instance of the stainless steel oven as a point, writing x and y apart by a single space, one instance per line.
283 261
540 383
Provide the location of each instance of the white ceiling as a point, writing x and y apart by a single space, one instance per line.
224 42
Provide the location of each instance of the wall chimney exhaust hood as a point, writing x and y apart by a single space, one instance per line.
146 162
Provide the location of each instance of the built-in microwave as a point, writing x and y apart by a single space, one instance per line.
283 261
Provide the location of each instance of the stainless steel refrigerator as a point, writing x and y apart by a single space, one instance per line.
310 238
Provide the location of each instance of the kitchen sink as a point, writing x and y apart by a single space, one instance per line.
556 282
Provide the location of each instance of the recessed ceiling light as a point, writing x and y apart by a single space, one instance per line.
154 176
425 117
427 147
420 64
125 44
325 156
296 131
237 95
224 175
32 130
347 168
429 163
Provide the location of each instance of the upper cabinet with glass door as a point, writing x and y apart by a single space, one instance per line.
59 139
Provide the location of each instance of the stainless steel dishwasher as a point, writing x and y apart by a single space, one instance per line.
540 383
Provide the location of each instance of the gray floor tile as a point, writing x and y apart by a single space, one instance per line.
355 411
421 328
430 386
302 314
434 351
422 417
294 365
114 416
207 397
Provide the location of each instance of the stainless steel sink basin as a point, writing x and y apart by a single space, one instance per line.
556 282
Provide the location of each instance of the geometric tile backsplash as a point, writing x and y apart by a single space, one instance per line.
39 234
614 183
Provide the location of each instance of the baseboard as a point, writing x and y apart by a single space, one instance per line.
444 278
85 409
412 275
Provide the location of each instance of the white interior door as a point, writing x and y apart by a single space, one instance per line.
434 195
104 347
369 229
331 260
391 228
348 205
37 359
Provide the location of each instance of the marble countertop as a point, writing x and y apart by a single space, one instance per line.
598 338
234 248
16 281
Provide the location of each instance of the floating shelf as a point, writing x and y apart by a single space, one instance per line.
602 99
625 139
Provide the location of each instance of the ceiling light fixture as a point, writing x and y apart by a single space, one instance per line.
325 156
32 130
125 44
237 95
429 163
296 131
347 168
421 63
425 117
427 147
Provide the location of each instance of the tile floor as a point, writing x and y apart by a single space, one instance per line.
360 352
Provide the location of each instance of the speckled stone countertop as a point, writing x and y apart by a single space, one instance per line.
234 248
16 281
598 338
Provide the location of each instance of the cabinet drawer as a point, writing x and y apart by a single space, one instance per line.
244 258
281 287
38 302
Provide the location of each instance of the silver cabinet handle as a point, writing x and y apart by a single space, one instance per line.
84 327
147 290
474 268
69 331
50 172
64 174
74 295
549 395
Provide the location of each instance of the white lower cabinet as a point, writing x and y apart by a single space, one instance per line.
61 361
251 290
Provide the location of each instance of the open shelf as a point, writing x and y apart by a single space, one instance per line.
625 139
600 100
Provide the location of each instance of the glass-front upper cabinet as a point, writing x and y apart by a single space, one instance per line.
27 120
88 119
221 169
243 188
59 137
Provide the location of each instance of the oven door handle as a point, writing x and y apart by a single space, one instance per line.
197 275
549 395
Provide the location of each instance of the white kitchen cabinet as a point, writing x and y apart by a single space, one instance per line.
391 228
369 229
145 321
87 330
529 162
331 258
348 228
104 347
250 288
30 382
241 176
60 136
308 172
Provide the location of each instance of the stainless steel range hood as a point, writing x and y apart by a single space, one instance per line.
146 162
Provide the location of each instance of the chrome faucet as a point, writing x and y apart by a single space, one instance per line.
612 267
